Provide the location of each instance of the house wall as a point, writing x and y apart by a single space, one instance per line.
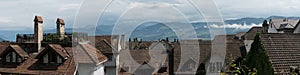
247 44
110 67
272 29
100 70
88 69
110 71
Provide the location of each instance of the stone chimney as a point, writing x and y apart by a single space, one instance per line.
265 26
60 28
123 41
38 31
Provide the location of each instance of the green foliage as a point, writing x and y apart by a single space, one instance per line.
52 37
257 58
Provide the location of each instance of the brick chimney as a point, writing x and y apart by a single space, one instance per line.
123 41
60 28
38 31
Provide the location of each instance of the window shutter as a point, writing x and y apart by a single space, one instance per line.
14 58
45 59
59 59
8 57
19 60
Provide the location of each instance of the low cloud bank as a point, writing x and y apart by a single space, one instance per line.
237 26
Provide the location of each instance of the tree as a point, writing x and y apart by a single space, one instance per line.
52 38
257 58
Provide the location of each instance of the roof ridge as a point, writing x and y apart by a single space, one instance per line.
81 45
114 49
20 52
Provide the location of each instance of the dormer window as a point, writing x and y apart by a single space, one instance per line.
52 55
13 57
19 60
52 58
8 57
45 59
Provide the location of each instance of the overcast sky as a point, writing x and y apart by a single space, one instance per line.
18 14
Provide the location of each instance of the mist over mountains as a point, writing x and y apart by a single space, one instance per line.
154 31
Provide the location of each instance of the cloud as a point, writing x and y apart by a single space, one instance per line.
21 13
170 9
5 20
258 8
237 26
142 11
68 7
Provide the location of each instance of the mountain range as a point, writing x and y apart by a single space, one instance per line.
154 31
1 38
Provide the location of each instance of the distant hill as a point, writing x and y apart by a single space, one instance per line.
247 21
251 20
1 39
159 31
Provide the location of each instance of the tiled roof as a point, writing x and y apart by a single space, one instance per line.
279 22
283 50
86 53
60 21
104 43
59 49
143 57
32 66
68 68
233 49
146 43
19 50
287 25
252 32
240 34
3 47
15 48
204 48
38 19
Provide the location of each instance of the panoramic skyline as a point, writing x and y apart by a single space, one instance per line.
152 37
18 13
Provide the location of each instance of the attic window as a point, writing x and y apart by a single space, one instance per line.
19 60
8 57
52 58
59 60
12 57
45 58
